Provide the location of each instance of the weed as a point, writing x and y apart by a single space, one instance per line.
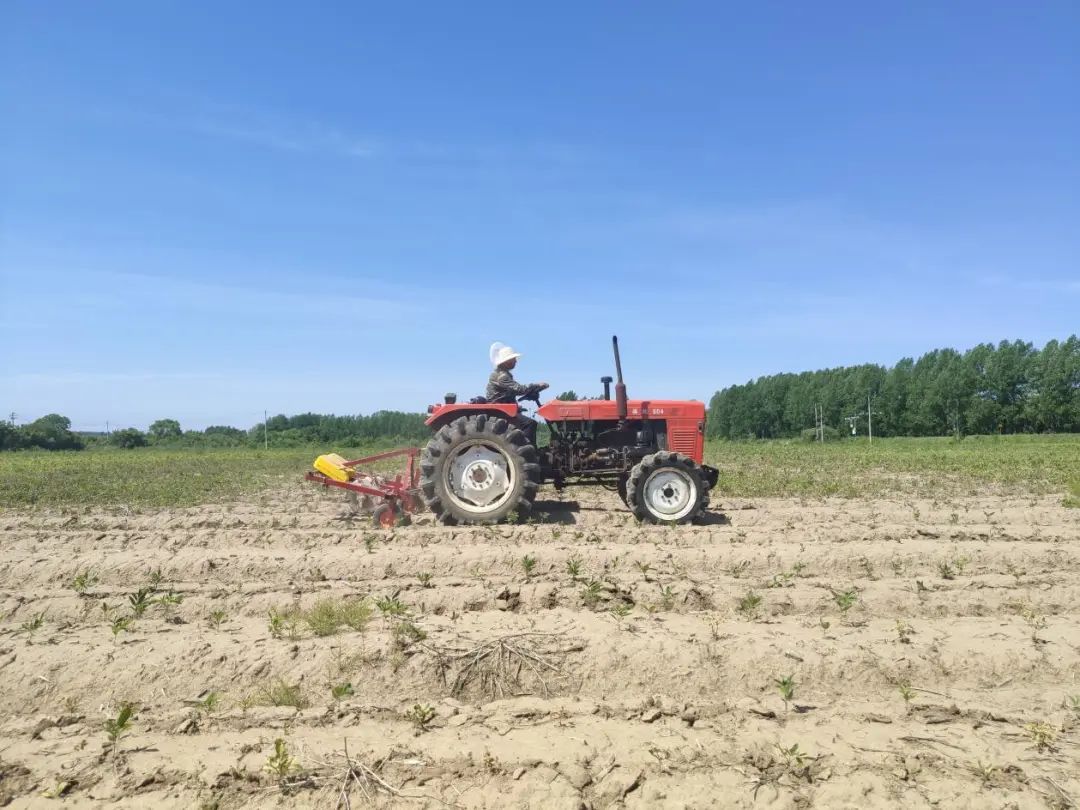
845 600
58 791
1072 703
749 605
907 693
406 632
985 771
115 727
140 601
528 564
574 567
169 600
355 614
156 577
621 611
84 581
1042 735
904 631
369 543
945 570
424 578
279 692
644 568
1035 620
341 690
323 619
280 763
592 593
786 687
210 702
33 624
420 715
282 622
667 597
391 606
217 618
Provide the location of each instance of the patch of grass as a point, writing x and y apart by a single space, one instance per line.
1072 500
278 692
528 565
749 605
151 476
285 622
1018 465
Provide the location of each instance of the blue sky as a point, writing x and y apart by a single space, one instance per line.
210 210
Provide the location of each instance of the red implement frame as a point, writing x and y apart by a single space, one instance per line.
400 492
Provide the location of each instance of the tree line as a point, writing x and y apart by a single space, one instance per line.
53 432
1008 388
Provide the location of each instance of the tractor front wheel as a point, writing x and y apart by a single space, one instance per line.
666 487
479 469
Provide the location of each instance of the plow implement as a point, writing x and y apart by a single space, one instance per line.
399 495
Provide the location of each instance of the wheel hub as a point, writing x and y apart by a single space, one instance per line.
670 494
478 476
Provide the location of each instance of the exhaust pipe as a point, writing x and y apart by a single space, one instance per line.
620 387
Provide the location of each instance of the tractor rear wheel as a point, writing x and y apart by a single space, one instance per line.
479 469
666 487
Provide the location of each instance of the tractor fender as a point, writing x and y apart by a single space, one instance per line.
444 414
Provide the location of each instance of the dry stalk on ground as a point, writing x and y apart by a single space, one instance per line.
507 666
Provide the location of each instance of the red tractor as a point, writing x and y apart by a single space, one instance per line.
479 467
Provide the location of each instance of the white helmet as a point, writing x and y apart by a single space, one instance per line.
500 353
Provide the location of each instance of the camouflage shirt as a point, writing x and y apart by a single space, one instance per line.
502 388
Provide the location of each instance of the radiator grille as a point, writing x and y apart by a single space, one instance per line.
683 441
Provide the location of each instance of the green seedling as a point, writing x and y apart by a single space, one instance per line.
1042 735
945 570
621 611
140 601
84 581
217 618
210 702
592 593
424 577
644 568
749 604
845 600
369 543
341 690
420 715
391 606
117 726
904 632
59 790
33 624
121 624
406 632
280 692
786 687
907 693
667 597
169 600
574 567
528 565
156 577
280 764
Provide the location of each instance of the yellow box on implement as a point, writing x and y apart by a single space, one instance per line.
334 466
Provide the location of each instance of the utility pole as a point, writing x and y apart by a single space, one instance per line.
266 437
13 415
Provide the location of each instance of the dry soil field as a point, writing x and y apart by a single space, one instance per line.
930 652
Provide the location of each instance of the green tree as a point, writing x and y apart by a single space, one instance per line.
568 396
128 438
165 429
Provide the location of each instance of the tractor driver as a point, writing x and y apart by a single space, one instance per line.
503 388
